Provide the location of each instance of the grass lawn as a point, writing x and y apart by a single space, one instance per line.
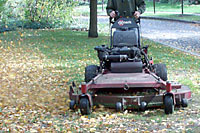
162 10
37 66
165 7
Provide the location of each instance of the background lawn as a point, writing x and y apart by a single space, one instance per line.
167 7
37 67
165 10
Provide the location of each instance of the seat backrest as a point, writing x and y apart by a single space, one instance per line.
125 38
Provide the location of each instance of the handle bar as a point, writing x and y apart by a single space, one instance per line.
112 20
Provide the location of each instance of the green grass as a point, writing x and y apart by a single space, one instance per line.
165 10
182 67
84 10
166 7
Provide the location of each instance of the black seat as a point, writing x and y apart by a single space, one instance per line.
127 38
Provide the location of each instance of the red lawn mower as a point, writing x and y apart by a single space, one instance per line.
126 78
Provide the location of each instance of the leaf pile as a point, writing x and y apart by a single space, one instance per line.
27 84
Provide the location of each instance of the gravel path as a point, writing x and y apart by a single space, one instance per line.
179 35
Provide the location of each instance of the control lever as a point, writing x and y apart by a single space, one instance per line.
112 20
136 20
124 13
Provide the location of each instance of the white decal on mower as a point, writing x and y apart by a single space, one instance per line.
121 22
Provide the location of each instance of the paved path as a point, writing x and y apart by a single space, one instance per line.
179 35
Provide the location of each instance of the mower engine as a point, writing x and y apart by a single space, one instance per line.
120 59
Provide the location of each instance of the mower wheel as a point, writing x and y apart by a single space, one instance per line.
72 104
169 104
184 102
161 71
84 106
118 107
91 71
143 106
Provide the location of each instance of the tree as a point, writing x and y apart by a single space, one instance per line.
48 10
2 2
93 19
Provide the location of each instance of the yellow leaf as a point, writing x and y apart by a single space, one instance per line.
92 129
92 120
17 109
94 107
7 121
33 130
68 101
164 130
82 117
45 46
42 7
12 76
0 41
111 116
21 34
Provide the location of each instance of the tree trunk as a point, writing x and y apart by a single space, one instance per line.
93 19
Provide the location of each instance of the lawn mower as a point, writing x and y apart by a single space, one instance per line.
126 77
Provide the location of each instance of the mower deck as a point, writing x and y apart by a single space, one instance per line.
127 88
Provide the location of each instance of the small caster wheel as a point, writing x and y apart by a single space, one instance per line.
72 104
118 107
169 105
84 106
143 106
184 102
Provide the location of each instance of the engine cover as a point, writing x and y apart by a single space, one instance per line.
126 67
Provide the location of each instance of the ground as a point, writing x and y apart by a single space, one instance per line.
37 67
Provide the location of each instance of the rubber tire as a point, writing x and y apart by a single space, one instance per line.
169 104
184 102
118 107
72 104
91 71
161 71
143 106
84 106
